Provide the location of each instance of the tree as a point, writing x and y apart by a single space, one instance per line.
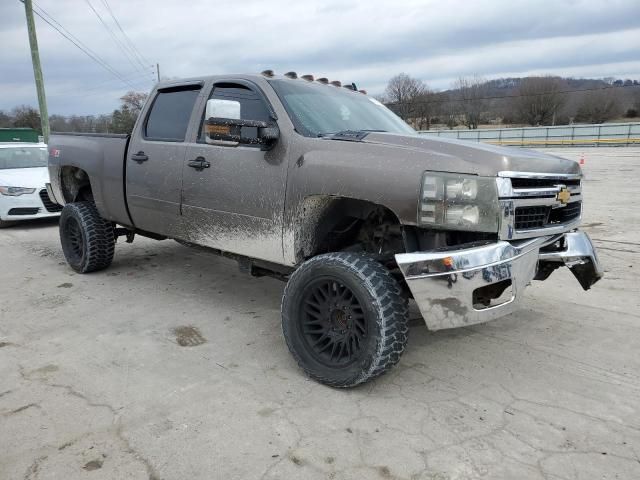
426 106
5 120
134 101
471 99
124 118
26 116
538 100
58 123
448 109
599 106
402 92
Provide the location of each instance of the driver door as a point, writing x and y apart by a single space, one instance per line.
235 201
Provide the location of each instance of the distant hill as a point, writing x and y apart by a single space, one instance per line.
508 86
532 100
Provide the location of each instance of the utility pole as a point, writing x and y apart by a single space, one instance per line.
158 70
37 70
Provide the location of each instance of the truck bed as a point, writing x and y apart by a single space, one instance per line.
102 157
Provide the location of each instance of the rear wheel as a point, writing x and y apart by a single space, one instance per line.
344 318
88 240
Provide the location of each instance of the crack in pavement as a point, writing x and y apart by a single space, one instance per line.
118 431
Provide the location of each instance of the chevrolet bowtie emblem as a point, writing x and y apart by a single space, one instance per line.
563 196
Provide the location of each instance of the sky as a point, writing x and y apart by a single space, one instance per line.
366 42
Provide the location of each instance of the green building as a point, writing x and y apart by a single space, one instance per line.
18 135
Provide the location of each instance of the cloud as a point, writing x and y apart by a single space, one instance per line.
362 41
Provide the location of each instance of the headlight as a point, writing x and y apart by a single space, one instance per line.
453 201
16 191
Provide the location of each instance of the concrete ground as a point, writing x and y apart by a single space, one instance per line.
171 365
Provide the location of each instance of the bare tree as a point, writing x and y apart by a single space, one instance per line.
134 101
58 123
598 106
124 118
26 116
448 109
402 92
538 100
426 106
471 99
5 120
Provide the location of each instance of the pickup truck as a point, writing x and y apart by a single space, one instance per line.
322 186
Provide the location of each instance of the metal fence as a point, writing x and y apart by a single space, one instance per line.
605 134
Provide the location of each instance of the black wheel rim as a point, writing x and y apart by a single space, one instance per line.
333 324
73 234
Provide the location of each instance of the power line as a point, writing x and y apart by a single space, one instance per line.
75 41
134 49
497 97
86 95
135 79
115 39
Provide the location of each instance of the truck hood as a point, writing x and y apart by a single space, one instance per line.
474 158
34 177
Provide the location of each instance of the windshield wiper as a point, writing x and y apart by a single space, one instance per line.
348 135
350 132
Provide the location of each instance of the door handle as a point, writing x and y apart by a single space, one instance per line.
200 163
139 157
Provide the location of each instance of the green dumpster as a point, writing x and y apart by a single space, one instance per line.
18 135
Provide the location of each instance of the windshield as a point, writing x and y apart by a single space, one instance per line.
23 157
318 110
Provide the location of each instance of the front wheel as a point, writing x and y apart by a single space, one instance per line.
88 240
344 318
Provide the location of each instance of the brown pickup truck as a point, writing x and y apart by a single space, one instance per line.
322 186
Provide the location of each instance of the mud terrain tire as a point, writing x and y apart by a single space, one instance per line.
87 239
330 300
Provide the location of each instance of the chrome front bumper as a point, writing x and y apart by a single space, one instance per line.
452 286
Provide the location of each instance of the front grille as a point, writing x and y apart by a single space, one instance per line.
566 214
543 182
531 217
23 211
545 216
48 204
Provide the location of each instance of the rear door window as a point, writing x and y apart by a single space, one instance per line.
170 113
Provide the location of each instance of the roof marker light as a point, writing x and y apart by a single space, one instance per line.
336 83
308 78
267 73
364 92
324 80
350 87
293 75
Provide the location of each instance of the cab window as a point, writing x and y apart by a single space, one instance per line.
169 116
252 106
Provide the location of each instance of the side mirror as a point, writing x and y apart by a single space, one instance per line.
223 126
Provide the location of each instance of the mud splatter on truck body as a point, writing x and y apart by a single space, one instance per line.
308 180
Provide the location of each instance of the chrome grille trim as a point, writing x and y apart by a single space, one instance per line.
511 198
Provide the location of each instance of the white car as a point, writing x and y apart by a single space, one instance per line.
23 175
